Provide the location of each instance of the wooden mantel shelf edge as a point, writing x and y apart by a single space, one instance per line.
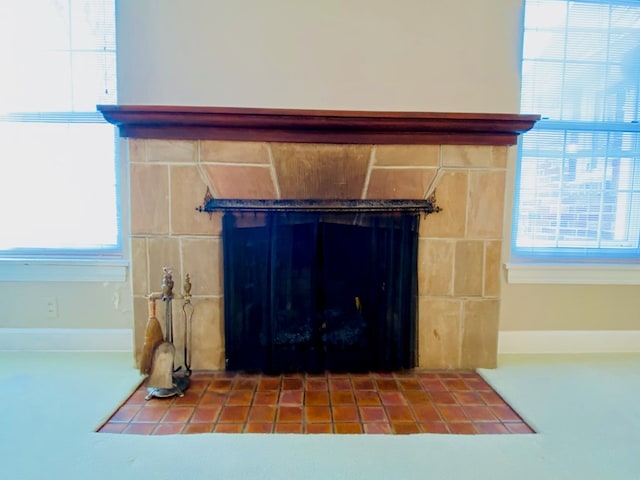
316 126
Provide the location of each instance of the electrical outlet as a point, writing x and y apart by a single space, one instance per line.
52 307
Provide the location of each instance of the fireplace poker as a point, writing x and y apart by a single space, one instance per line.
187 311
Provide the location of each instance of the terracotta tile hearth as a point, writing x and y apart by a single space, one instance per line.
389 403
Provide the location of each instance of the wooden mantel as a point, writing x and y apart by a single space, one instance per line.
316 126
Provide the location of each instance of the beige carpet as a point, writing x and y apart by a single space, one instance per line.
586 408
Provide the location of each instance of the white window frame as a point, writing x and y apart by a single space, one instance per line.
69 265
541 270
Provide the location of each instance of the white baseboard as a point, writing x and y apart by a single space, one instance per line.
569 341
121 340
66 339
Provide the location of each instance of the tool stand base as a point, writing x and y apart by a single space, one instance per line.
180 385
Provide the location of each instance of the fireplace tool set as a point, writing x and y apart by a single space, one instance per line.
159 359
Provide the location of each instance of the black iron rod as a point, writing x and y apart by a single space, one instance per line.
319 205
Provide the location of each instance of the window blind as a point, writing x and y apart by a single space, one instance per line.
578 180
59 186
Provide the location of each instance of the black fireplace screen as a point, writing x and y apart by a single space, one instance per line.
318 291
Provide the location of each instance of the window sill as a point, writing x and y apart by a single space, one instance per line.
62 270
573 273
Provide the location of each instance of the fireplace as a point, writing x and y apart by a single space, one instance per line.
176 153
316 291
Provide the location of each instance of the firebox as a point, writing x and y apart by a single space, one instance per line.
320 291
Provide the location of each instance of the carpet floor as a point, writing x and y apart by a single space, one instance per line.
584 409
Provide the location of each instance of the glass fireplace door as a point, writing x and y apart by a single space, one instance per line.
315 291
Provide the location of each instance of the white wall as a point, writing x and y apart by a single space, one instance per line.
403 55
407 55
447 55
81 304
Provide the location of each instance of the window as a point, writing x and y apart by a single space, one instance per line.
578 179
59 182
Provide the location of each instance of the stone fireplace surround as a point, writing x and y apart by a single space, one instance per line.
175 153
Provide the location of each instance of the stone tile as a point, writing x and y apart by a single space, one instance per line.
137 150
241 181
326 171
139 271
400 183
480 337
163 252
501 155
140 317
492 268
468 268
320 171
202 260
233 152
486 205
149 199
435 267
187 192
407 155
439 333
451 195
474 156
172 151
207 352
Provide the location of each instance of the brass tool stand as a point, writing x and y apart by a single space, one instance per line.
162 381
